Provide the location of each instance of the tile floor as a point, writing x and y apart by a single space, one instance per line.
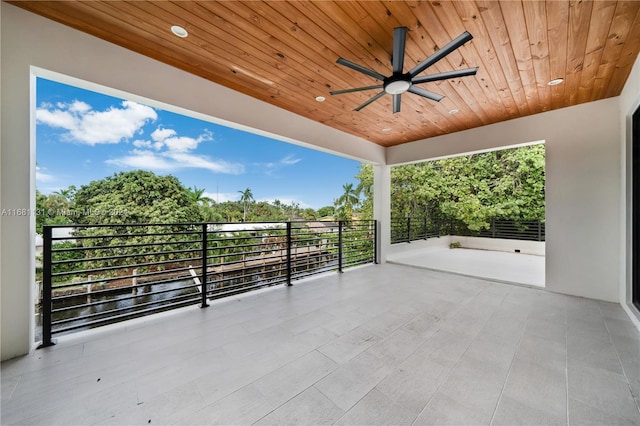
382 344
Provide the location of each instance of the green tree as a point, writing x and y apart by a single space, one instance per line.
245 198
364 190
326 211
347 202
309 214
135 197
54 209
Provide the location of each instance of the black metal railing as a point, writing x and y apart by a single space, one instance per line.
412 229
528 230
100 274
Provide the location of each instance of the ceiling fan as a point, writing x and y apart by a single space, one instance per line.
398 83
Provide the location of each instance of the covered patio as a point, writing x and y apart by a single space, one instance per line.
379 344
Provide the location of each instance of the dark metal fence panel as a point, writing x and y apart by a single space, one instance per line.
103 274
528 230
412 229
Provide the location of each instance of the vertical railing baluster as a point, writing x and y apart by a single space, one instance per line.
375 242
539 230
289 240
339 246
204 240
47 287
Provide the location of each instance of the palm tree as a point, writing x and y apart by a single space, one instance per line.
66 194
195 195
245 198
347 202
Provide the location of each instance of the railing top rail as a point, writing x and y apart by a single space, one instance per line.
279 222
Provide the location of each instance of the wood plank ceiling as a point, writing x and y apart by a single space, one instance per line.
284 53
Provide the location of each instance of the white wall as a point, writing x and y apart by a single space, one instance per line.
583 199
31 41
629 102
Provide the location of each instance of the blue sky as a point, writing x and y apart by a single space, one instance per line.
83 136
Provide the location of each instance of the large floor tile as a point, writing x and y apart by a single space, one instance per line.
446 411
289 380
245 406
602 390
353 380
310 407
539 387
511 412
349 345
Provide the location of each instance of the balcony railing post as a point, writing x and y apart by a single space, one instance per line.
289 240
205 231
47 287
375 242
408 229
340 246
539 230
424 226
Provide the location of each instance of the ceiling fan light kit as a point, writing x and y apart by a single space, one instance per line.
398 82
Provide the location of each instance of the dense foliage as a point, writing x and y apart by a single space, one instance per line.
472 189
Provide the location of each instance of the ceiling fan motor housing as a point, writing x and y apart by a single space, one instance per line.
397 83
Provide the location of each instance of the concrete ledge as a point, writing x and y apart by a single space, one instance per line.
431 243
536 248
497 244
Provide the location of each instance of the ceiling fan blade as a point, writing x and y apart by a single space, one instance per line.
360 68
355 89
445 75
396 103
375 98
425 93
399 41
448 48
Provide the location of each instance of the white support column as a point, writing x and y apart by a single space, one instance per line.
382 207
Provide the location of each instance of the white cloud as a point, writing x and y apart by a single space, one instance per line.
289 160
272 167
191 161
79 107
144 159
84 125
160 134
169 138
42 177
181 144
171 161
139 143
173 152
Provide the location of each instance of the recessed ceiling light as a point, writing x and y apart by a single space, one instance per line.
386 130
556 81
453 111
320 98
179 31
